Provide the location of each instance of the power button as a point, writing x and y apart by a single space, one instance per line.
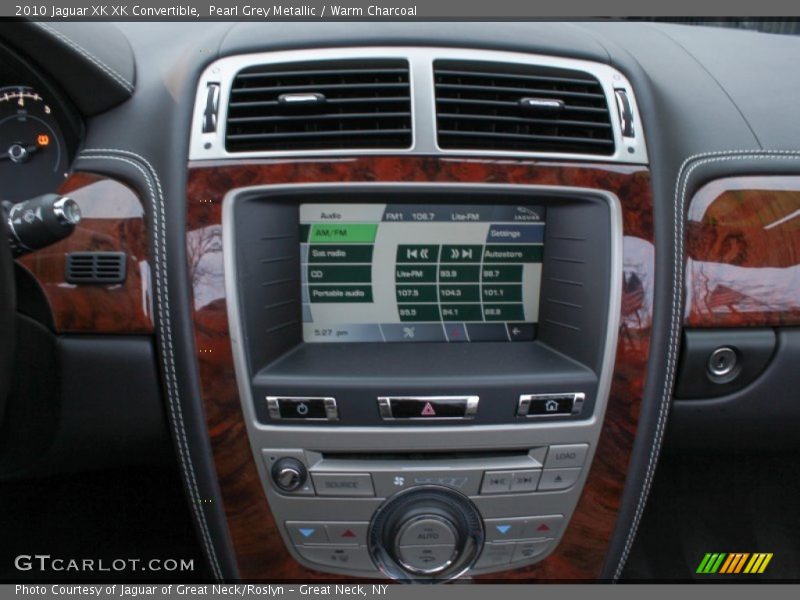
304 408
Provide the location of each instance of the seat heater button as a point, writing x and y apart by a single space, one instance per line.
542 527
525 481
343 484
495 555
558 479
307 532
347 532
344 557
497 482
433 532
527 550
501 530
567 455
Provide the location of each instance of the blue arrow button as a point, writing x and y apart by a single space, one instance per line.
307 532
503 528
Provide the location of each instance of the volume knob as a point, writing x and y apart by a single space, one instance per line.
289 474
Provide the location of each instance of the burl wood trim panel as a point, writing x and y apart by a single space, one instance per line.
113 221
259 549
743 253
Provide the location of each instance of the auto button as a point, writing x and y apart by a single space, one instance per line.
427 531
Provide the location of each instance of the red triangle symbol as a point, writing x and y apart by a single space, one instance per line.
427 410
543 527
348 534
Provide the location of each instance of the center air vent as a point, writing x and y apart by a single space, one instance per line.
320 105
522 108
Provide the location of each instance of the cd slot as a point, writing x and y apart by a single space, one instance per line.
530 459
425 456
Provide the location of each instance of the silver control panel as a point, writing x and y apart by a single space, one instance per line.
523 501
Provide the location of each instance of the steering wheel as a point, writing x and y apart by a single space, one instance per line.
7 314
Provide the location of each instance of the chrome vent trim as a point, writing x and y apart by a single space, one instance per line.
421 60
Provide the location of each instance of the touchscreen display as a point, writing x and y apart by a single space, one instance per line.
420 273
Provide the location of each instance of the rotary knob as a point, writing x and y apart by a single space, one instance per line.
289 474
429 532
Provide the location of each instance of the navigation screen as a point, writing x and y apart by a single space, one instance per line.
420 273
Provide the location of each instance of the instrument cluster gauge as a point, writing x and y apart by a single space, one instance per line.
33 153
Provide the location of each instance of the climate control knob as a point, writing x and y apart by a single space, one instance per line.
289 474
428 532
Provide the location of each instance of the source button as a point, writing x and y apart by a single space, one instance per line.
343 484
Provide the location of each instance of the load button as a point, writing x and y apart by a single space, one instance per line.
567 455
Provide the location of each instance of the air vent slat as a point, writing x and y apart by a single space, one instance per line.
320 87
312 134
502 119
322 73
517 77
524 137
352 104
355 115
335 101
515 105
519 91
479 105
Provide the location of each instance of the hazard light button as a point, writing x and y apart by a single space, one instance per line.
425 408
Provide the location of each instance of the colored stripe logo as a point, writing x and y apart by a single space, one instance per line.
734 563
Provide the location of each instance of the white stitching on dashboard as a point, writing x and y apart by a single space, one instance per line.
679 208
81 50
162 296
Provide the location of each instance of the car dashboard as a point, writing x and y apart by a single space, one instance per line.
403 302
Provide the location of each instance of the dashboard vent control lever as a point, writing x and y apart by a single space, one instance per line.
625 113
40 222
542 105
304 99
211 109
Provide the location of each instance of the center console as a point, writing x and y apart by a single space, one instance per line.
423 369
